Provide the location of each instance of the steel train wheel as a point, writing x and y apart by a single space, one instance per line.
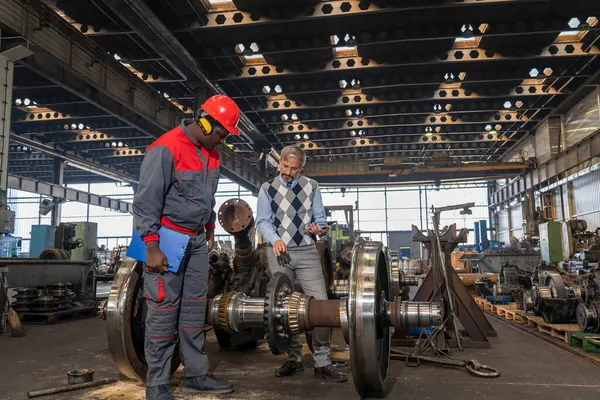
370 338
125 312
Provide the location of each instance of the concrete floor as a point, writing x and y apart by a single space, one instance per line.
531 369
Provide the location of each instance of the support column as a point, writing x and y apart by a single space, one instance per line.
7 66
6 88
387 227
59 174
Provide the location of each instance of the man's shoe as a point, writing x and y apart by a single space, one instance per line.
329 373
206 384
159 392
290 368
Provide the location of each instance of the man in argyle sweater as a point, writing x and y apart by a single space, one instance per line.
290 213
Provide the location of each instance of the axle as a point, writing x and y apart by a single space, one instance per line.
295 312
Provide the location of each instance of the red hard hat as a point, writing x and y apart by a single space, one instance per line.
224 110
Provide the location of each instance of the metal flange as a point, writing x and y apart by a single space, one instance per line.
370 337
278 290
125 311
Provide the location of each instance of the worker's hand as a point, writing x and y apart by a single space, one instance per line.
279 247
210 239
315 229
156 260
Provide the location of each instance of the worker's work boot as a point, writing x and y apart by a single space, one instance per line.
159 392
206 384
289 368
329 373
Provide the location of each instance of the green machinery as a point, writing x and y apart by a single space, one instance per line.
551 242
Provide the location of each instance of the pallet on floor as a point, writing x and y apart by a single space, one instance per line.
59 316
508 311
589 341
560 331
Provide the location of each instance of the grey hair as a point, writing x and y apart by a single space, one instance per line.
293 151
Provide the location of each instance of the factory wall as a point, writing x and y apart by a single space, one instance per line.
579 198
584 199
510 223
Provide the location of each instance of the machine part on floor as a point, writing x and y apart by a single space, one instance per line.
340 288
472 366
554 300
512 280
527 301
76 376
367 316
70 388
243 271
484 287
125 312
469 279
415 314
45 304
492 260
476 326
411 267
54 254
25 298
588 317
408 280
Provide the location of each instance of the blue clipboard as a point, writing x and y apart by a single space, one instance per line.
172 243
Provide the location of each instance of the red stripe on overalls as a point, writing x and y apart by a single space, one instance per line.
161 290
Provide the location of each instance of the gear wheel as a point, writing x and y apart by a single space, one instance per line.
278 288
556 281
222 313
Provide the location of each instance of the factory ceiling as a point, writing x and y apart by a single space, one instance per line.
393 87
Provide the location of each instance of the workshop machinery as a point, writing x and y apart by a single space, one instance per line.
513 281
581 248
443 284
588 311
553 298
366 317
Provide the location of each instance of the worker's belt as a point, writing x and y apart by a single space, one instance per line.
164 221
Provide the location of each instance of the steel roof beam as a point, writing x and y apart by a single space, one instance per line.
392 122
438 96
413 116
66 57
76 160
395 170
327 9
368 38
145 23
331 86
53 190
450 57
